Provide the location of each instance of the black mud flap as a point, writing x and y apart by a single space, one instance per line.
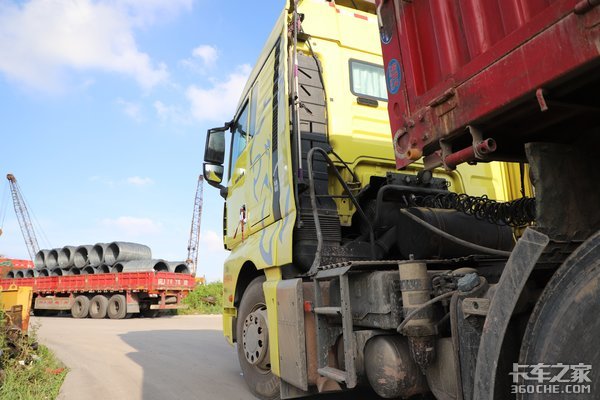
518 268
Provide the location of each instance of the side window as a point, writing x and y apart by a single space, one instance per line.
367 80
239 139
253 111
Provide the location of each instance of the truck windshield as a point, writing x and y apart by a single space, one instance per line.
367 80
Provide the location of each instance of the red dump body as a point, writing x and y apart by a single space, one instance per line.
495 66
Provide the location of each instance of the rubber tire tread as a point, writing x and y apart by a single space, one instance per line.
263 385
84 301
121 313
102 306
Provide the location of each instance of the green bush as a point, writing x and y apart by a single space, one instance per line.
41 376
205 299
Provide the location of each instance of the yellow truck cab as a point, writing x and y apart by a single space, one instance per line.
310 185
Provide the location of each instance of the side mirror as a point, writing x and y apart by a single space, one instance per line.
213 173
214 151
214 157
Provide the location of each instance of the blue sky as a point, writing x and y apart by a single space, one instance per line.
104 107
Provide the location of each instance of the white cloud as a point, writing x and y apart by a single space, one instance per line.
132 110
206 53
211 241
139 181
204 57
42 40
132 226
170 114
217 104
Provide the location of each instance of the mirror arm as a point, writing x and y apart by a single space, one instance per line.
223 191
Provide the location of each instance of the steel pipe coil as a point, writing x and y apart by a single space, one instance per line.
126 251
52 258
10 275
141 266
102 269
39 260
30 273
81 258
96 255
179 267
44 272
19 274
66 257
87 270
56 272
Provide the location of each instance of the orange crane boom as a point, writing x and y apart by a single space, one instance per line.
192 258
23 217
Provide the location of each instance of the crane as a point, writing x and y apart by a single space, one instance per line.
192 258
23 216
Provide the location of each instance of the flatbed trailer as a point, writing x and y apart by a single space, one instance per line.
116 295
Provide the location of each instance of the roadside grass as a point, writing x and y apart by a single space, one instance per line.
204 299
39 379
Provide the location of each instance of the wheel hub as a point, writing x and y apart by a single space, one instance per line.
255 339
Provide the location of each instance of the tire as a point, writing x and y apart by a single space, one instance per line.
253 343
117 307
563 327
81 307
98 306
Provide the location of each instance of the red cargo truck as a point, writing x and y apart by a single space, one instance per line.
474 81
117 296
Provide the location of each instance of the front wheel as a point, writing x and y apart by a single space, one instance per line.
252 335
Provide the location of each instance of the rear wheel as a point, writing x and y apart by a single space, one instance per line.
117 307
563 329
81 307
253 343
98 306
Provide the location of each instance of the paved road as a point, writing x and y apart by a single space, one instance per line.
178 357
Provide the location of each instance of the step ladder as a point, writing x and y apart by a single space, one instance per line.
325 330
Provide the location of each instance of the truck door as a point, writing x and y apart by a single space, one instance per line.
237 227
